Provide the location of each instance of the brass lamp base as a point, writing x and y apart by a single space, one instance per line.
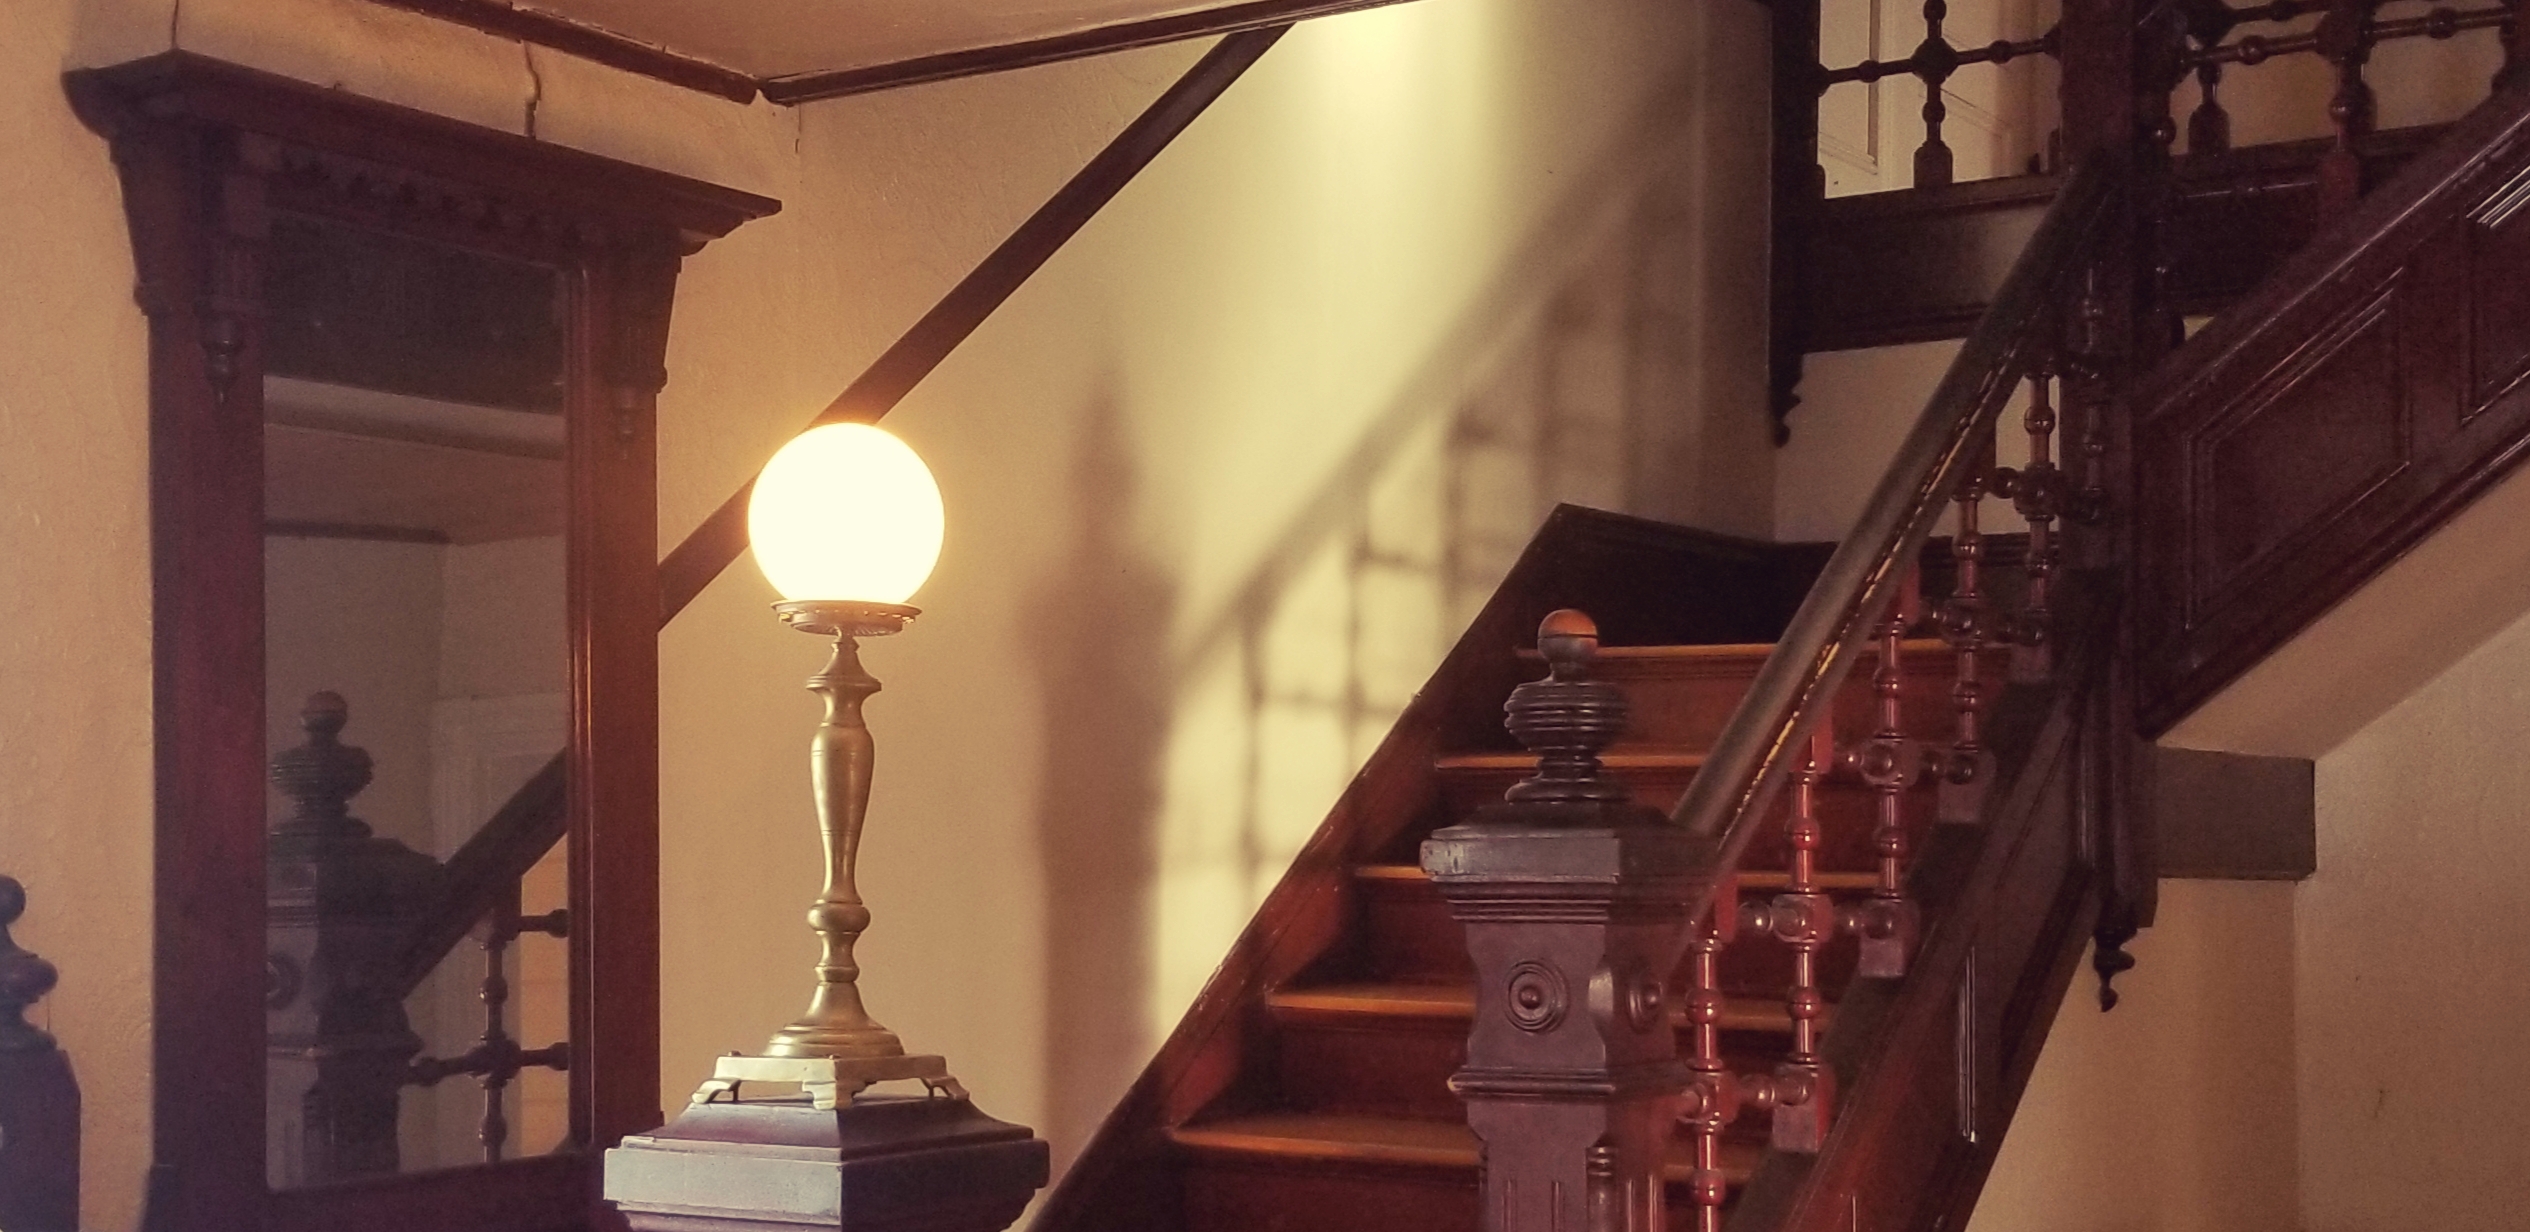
827 1081
837 618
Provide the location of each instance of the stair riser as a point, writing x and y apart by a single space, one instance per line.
1401 1067
1238 1196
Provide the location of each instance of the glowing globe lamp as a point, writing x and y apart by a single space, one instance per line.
846 514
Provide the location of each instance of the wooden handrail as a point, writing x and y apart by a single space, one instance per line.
1789 695
534 818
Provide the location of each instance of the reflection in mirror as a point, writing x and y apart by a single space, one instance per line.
417 671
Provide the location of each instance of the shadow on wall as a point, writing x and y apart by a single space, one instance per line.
1187 760
1106 722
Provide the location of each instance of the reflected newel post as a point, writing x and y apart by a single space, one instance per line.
846 522
39 1100
1574 898
339 904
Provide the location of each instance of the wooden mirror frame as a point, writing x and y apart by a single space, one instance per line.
206 152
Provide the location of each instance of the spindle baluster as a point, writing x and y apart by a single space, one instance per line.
1804 917
2037 492
1965 771
1887 763
2345 38
2516 39
2209 126
1712 1098
1935 60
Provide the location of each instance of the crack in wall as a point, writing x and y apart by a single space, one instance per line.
535 88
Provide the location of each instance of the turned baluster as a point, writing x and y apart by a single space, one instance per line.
1886 923
1803 918
1966 770
2516 39
1935 60
2037 492
39 1098
1712 1095
2345 39
2209 126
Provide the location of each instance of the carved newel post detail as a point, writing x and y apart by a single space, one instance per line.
1575 903
339 904
39 1102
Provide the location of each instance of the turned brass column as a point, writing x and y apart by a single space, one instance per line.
840 758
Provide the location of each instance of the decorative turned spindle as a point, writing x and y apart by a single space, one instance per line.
1712 1097
24 978
1886 922
2345 38
1803 917
1566 718
2038 493
1967 767
1935 60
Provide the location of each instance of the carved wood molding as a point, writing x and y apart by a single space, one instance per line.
2316 431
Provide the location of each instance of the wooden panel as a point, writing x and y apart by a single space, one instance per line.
1923 264
2233 817
2306 438
2254 488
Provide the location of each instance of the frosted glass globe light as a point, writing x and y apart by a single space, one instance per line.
845 513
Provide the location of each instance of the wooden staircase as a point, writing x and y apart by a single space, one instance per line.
1309 1086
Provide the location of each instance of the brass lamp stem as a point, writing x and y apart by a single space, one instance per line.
840 760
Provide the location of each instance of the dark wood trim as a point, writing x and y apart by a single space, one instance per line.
542 1193
1921 265
713 545
502 20
207 153
283 528
2234 817
331 136
1228 19
2362 397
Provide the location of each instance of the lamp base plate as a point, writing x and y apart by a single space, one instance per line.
828 1082
884 1163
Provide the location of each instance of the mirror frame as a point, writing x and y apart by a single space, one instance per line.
206 152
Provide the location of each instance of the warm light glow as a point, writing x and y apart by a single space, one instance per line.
845 512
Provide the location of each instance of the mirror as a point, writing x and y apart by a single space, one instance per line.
417 679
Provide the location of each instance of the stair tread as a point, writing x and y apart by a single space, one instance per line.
1749 879
1619 759
1722 652
1391 1140
1458 1001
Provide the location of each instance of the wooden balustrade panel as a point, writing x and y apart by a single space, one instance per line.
2309 436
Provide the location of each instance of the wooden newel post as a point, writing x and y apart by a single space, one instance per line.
1574 899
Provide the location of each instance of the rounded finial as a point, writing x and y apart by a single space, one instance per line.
1568 639
324 713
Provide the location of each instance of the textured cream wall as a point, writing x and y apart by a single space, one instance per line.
2411 952
74 591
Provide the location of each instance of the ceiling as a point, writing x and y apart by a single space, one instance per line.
792 38
797 50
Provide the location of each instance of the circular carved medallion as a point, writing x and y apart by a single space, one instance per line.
1537 996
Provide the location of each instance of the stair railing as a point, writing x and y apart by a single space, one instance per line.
1867 598
1863 580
